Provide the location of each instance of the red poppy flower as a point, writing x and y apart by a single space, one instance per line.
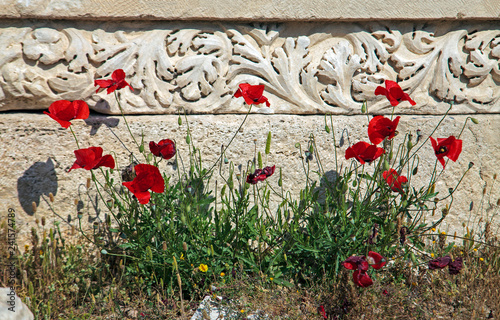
362 279
363 152
394 180
381 127
376 260
252 94
117 82
164 148
449 147
63 111
394 93
322 311
260 175
147 178
355 263
91 158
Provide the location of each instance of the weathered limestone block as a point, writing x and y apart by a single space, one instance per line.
35 154
261 10
307 67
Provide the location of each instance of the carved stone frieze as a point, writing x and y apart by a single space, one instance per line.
307 68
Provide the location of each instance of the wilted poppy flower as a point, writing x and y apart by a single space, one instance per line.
364 152
449 147
381 127
147 178
362 279
394 93
455 266
91 158
361 264
439 263
63 111
252 94
355 263
394 180
117 82
260 175
164 148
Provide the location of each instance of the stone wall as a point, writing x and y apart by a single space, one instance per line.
314 57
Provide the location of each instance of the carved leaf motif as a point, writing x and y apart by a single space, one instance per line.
371 52
145 57
78 51
45 45
439 64
199 75
338 65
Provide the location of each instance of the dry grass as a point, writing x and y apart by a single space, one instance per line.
73 282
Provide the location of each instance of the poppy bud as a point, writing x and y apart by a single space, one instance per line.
226 160
450 190
188 139
474 120
364 107
103 251
141 148
179 121
79 215
415 171
471 164
327 129
259 159
268 143
297 145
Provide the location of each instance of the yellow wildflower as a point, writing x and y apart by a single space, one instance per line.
222 274
182 256
203 267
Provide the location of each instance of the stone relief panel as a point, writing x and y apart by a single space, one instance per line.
307 68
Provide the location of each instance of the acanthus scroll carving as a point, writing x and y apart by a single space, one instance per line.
307 68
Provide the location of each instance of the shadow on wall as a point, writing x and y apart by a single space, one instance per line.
97 121
40 179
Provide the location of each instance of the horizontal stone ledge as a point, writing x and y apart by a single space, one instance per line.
258 10
307 68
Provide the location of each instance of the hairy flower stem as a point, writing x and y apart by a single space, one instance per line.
74 136
227 146
126 123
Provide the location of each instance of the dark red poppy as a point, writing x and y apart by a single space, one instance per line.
63 111
147 178
91 158
455 266
117 82
164 148
394 93
381 127
260 175
394 180
439 263
322 311
252 94
362 279
449 147
364 152
355 263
